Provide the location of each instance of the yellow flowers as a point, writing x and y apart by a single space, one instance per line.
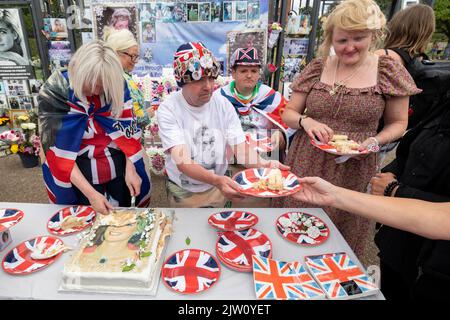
14 148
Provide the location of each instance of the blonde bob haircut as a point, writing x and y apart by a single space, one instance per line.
94 62
411 29
353 15
119 40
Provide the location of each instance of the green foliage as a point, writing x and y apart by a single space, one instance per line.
145 254
128 268
442 12
188 241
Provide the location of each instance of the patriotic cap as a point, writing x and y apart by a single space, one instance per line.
192 61
245 57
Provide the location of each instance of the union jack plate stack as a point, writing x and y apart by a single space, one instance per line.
281 280
19 262
9 218
248 177
233 220
190 271
339 276
84 213
236 248
259 144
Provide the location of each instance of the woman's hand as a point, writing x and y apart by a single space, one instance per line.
317 130
132 179
229 188
380 181
316 191
99 203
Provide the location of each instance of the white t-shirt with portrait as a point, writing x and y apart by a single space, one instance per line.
206 130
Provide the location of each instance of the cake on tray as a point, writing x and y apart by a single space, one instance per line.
121 253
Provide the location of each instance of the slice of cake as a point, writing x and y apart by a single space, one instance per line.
121 253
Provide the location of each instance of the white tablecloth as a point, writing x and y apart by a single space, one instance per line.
192 223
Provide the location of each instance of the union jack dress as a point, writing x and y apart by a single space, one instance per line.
88 134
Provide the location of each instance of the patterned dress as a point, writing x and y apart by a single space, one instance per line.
356 113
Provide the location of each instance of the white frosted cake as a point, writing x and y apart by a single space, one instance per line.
121 253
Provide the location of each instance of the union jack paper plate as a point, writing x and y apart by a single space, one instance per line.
236 248
248 177
259 144
233 220
330 149
190 271
19 262
9 218
339 276
281 280
302 228
71 220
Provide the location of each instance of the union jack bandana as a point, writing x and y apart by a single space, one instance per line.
192 61
245 57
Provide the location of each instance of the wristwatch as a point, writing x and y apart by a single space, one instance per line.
302 116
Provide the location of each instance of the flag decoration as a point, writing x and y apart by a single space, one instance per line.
233 220
248 177
9 218
302 228
19 262
85 213
236 248
339 276
190 271
263 144
274 279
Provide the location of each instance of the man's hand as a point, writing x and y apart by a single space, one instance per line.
99 203
380 181
228 187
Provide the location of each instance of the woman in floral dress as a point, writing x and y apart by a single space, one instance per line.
347 93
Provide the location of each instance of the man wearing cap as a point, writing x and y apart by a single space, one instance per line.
258 106
195 130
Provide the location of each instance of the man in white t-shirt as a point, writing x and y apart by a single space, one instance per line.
196 127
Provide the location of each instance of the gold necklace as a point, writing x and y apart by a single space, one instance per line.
338 85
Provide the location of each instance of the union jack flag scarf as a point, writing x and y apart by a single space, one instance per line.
267 102
63 121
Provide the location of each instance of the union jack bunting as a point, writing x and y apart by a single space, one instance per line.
237 247
233 220
74 129
267 102
9 218
18 260
85 212
339 276
247 177
283 280
190 271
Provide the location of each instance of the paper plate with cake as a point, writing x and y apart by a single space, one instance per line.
232 220
122 252
236 248
339 145
302 228
190 271
267 182
9 218
71 220
20 261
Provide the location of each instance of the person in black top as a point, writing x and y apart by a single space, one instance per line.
412 266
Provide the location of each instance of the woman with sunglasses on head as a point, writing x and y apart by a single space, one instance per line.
127 49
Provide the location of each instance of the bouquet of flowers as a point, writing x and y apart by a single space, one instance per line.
274 32
157 160
22 142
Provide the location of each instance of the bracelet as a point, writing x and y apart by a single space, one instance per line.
374 147
390 187
302 117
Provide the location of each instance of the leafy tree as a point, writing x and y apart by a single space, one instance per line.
442 12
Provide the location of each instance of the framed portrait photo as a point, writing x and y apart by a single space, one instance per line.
116 17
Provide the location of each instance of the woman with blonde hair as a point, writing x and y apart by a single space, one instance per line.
93 155
127 48
347 94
